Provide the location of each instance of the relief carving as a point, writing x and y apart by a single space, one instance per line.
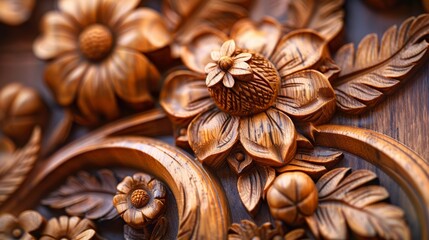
252 91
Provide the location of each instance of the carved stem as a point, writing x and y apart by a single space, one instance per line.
398 161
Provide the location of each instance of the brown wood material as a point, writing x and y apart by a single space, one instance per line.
249 108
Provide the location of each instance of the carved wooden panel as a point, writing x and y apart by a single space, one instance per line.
238 119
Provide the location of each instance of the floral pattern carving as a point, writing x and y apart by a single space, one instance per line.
26 226
86 195
96 52
140 199
221 117
248 230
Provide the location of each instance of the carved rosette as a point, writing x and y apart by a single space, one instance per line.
96 61
140 199
249 91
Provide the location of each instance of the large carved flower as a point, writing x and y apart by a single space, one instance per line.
140 199
250 89
95 47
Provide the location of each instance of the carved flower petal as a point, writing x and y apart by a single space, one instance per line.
120 9
53 44
214 77
212 134
228 80
185 95
153 209
81 11
297 51
242 57
228 48
143 30
63 76
126 185
131 74
96 97
197 53
261 37
307 96
86 235
8 223
210 67
215 55
240 68
269 137
157 189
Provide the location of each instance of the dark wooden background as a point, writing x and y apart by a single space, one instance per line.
403 116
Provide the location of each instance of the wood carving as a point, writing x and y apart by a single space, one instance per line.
249 99
247 230
352 204
97 64
21 110
16 163
86 195
323 16
377 68
184 18
15 12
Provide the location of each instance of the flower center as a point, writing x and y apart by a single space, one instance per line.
225 63
95 42
139 198
251 95
17 233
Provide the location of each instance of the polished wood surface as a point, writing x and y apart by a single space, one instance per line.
404 116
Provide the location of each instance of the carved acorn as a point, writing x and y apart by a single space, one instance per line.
21 109
292 196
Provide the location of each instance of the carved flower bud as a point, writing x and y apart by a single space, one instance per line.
21 109
292 196
249 95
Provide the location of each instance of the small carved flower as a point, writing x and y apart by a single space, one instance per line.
248 230
227 65
140 199
23 227
96 51
270 85
21 109
66 227
292 196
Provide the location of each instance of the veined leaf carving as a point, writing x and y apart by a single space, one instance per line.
252 186
313 162
87 195
16 164
376 69
323 16
347 201
185 17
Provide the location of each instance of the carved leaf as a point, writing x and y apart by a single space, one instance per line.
87 195
160 229
323 16
377 69
313 162
348 202
253 185
185 17
14 166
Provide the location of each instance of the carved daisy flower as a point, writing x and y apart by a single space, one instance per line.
95 47
140 199
259 112
226 66
66 227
